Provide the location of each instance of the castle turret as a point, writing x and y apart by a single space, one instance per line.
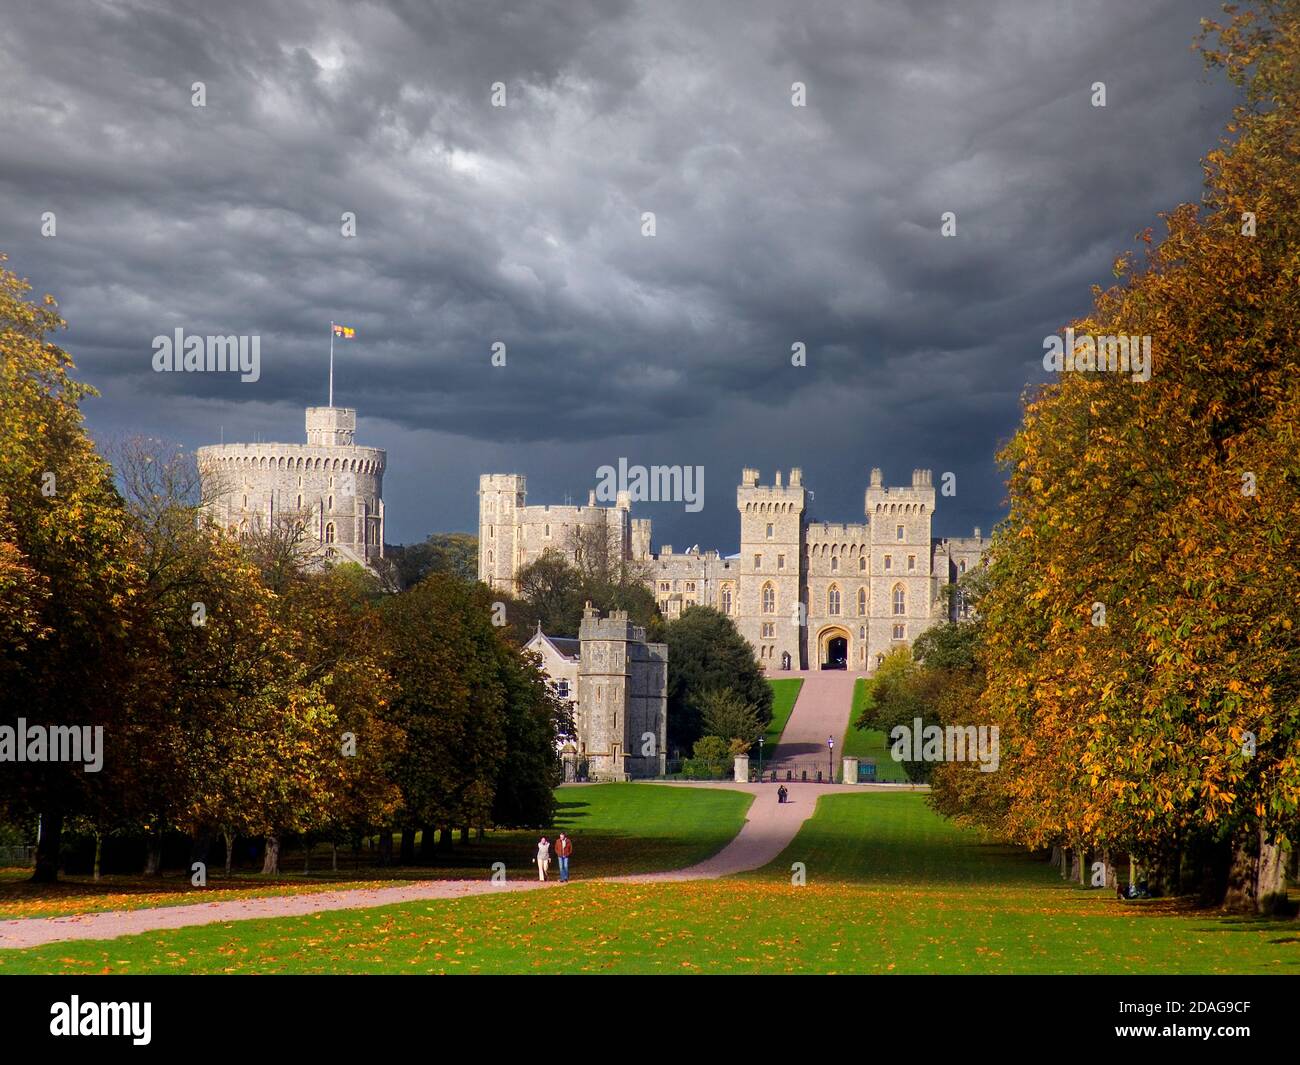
330 486
771 614
901 555
622 692
500 501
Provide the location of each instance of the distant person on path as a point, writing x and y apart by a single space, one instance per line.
543 857
781 794
563 848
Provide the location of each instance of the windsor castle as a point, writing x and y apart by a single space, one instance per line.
805 594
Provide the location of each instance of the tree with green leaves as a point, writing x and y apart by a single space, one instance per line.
724 713
449 703
707 653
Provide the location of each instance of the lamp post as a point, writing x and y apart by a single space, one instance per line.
760 759
830 758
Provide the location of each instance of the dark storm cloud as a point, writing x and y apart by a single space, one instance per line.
522 224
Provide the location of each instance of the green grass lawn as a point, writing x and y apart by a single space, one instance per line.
616 828
784 694
891 887
870 743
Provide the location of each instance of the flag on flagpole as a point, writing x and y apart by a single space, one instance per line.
344 331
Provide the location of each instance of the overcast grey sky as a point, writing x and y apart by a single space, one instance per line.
522 224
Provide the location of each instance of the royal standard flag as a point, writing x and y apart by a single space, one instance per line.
344 331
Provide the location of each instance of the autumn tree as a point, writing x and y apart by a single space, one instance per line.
1140 647
66 646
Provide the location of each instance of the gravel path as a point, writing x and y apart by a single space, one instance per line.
823 708
769 828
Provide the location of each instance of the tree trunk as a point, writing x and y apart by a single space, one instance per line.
200 845
464 833
334 857
153 857
444 839
306 854
1055 858
99 853
1270 877
229 837
428 850
271 861
480 833
408 846
386 847
1243 873
48 841
1112 880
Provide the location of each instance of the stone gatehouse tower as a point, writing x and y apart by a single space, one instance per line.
331 485
617 687
805 594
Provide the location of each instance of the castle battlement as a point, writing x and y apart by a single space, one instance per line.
827 530
330 485
866 587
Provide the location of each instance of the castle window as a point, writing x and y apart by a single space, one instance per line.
491 533
780 561
245 502
690 586
489 558
300 502
963 565
911 563
835 565
665 586
833 600
889 563
900 600
769 599
900 632
758 561
562 688
770 529
900 531
862 564
862 602
726 599
331 502
548 532
769 630
329 532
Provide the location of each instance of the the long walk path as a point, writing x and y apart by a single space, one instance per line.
768 829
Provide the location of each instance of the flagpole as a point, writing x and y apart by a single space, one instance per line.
331 364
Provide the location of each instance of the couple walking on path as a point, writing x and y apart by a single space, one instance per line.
563 848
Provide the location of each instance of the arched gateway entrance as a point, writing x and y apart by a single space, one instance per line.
833 648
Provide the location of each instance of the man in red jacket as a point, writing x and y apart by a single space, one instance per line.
563 848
